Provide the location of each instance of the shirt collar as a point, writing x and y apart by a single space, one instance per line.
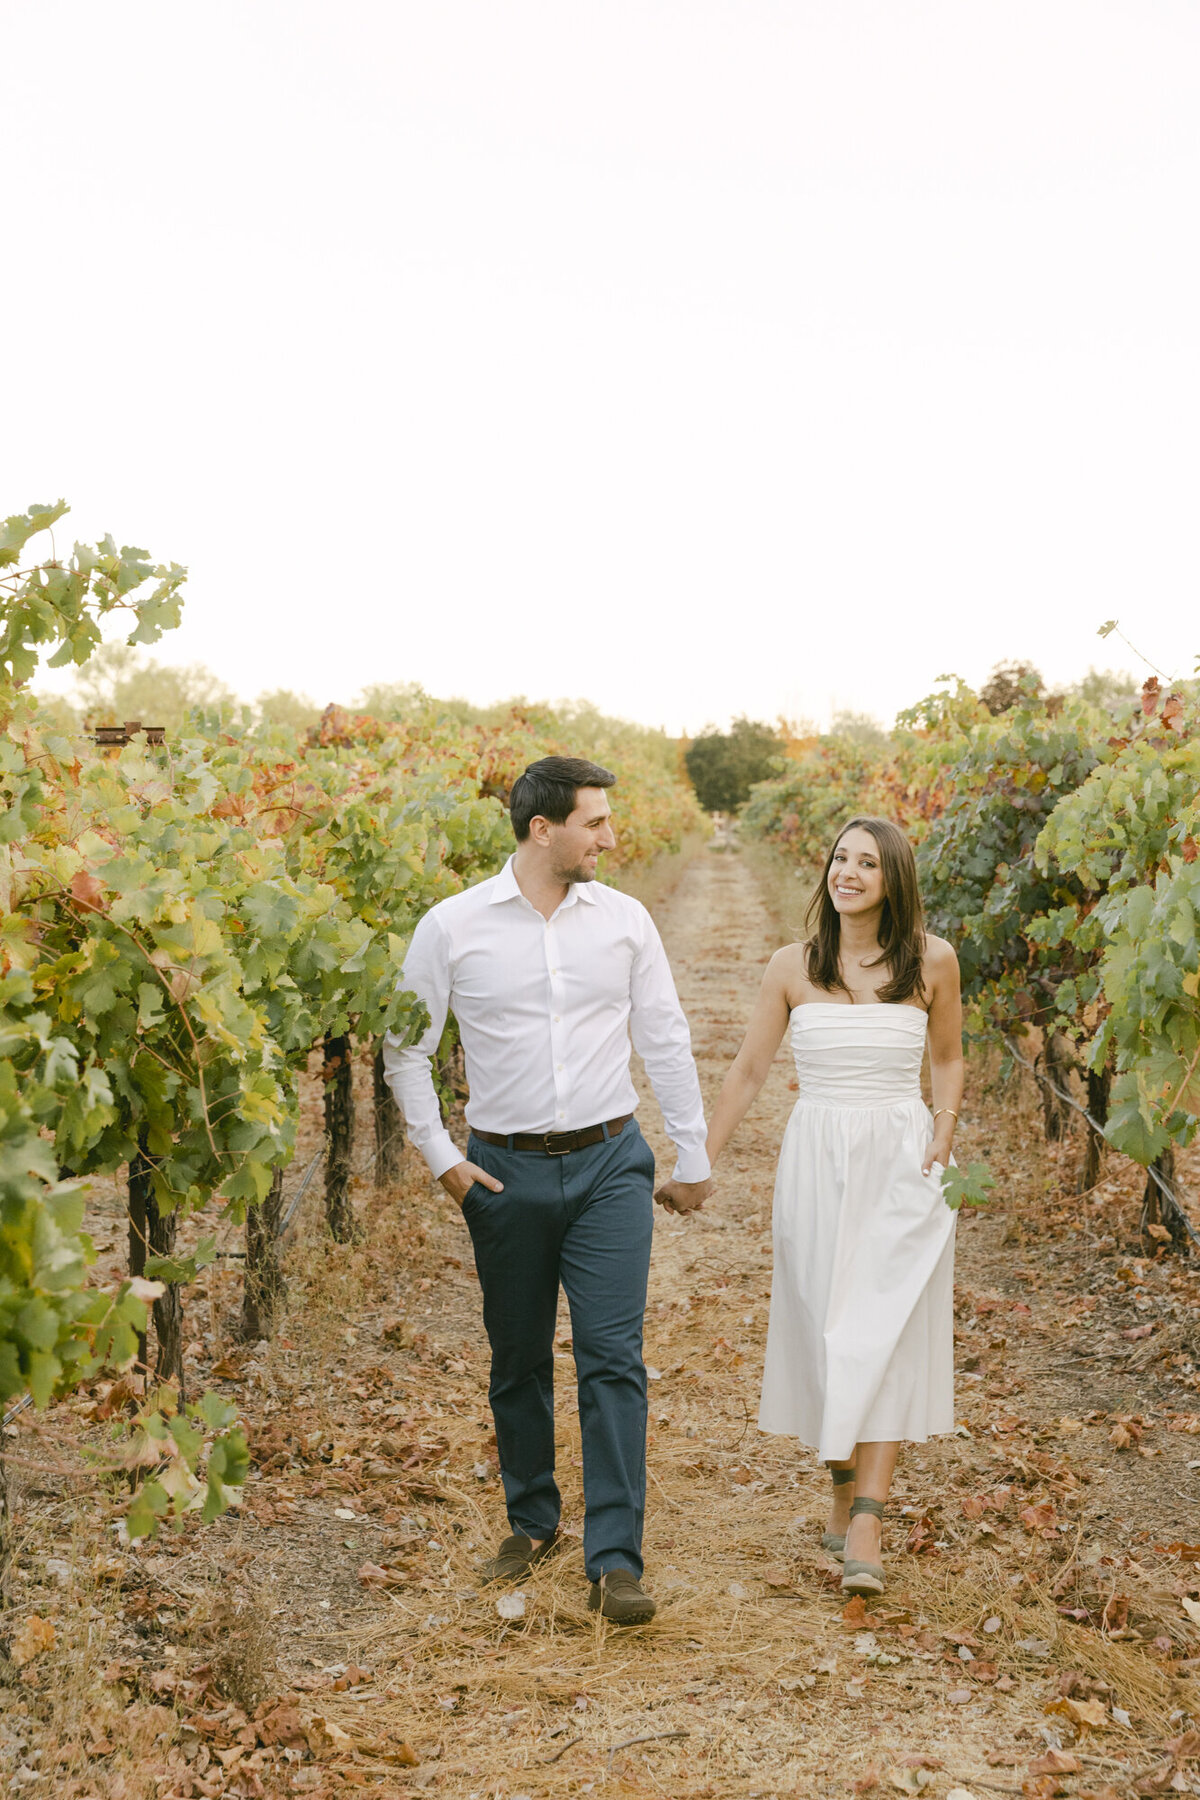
505 887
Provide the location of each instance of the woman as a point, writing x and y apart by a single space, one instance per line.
861 1337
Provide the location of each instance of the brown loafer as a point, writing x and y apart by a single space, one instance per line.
619 1596
515 1558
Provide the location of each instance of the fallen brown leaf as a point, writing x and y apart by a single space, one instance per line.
372 1575
1055 1762
34 1636
1087 1715
326 1737
282 1725
1115 1616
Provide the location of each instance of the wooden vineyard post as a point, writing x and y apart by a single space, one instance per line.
389 1132
153 1233
264 1289
339 1132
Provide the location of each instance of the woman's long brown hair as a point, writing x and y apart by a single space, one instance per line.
901 924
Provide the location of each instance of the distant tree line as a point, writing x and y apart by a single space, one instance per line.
724 765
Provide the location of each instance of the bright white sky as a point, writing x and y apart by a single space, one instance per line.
695 357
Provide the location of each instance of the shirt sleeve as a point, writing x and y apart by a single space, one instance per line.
661 1038
406 1067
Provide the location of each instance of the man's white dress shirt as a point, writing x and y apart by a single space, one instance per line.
546 1009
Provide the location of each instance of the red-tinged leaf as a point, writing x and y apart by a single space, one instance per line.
1190 848
1185 1552
916 1759
975 1507
1172 712
1039 1518
1150 691
281 1724
868 1781
1115 1616
1078 1686
922 1539
87 891
372 1575
1139 1331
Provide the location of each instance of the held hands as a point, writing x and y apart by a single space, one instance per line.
683 1196
458 1181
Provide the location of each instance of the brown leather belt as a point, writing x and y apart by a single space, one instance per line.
555 1143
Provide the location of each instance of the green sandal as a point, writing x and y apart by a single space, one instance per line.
834 1542
863 1577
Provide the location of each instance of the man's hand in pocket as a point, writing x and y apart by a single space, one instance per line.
459 1180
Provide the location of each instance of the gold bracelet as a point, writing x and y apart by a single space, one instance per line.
949 1109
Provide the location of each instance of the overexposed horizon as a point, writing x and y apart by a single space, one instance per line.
695 360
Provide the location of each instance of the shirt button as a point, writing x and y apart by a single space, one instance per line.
557 1019
560 1067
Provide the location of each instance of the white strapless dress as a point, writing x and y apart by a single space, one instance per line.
860 1345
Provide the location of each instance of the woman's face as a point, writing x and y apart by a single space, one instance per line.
856 874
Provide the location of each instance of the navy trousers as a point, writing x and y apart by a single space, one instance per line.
584 1220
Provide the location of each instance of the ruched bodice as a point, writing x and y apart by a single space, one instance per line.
858 1055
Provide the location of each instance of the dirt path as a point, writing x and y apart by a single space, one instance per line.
1038 1562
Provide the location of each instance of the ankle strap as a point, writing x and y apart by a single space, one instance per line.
874 1507
840 1477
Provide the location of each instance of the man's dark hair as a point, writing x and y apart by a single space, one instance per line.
548 788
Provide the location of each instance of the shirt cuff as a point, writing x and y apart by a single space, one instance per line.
692 1165
441 1153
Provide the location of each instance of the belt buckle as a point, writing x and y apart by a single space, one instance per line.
546 1136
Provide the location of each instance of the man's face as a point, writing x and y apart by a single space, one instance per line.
575 847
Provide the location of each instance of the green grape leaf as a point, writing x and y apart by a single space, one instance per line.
172 1269
967 1186
149 1504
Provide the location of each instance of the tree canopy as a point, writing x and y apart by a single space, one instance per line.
724 765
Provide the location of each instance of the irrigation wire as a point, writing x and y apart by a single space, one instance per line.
298 1196
311 1170
1097 1127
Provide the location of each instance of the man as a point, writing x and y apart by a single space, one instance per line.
549 976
